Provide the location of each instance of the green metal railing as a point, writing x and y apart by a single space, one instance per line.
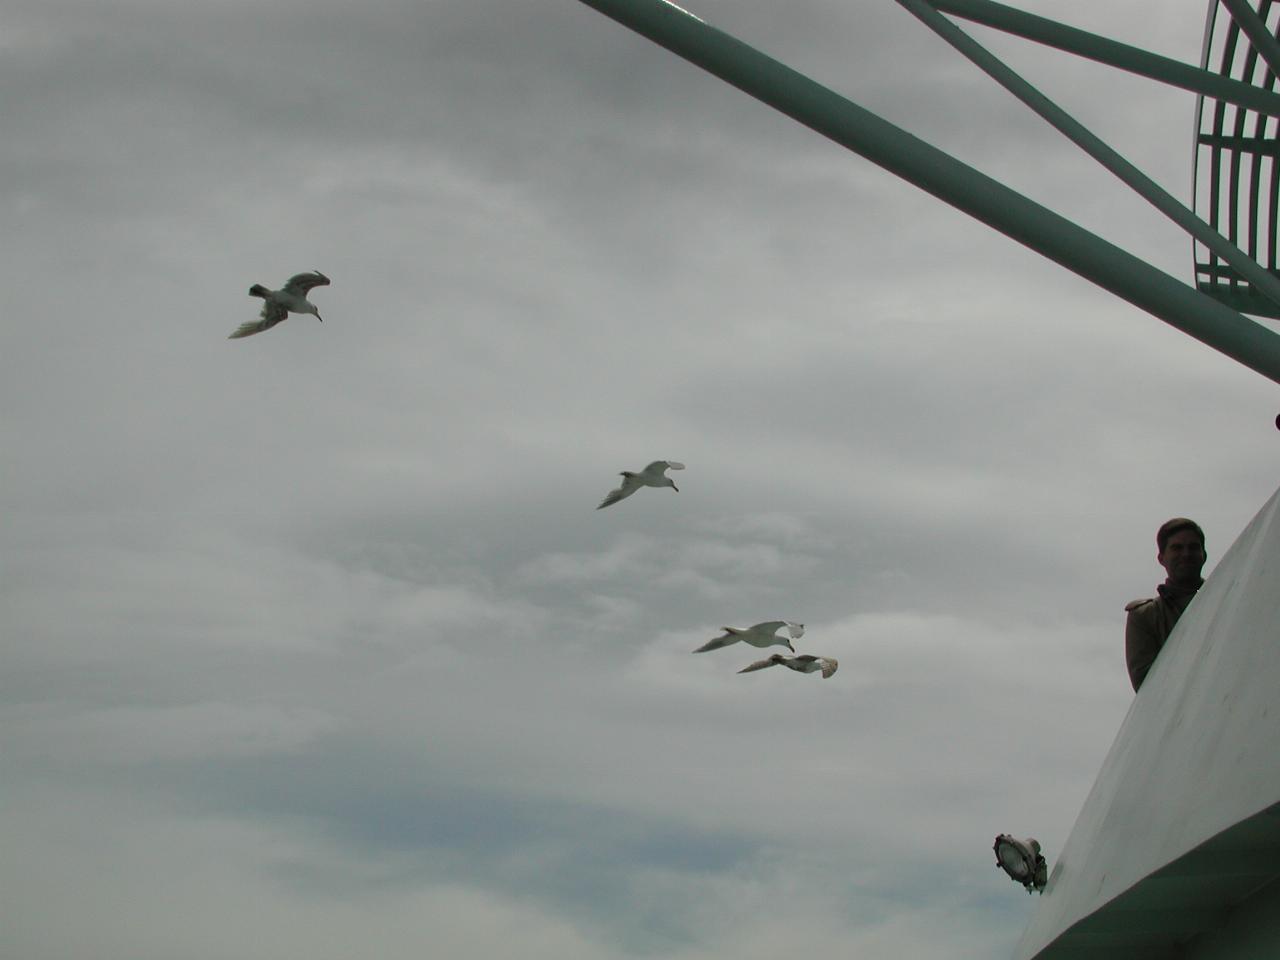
957 184
1237 160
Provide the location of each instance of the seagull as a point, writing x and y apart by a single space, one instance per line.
280 303
761 635
804 663
654 475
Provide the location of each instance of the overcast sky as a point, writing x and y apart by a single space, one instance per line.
314 644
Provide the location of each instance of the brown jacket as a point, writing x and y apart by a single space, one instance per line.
1149 624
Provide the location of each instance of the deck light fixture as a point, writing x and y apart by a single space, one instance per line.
1022 861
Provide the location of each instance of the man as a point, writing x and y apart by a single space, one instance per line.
1180 550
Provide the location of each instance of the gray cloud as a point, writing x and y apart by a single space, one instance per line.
315 643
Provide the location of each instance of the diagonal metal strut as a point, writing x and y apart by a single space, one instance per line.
1029 26
1261 278
941 175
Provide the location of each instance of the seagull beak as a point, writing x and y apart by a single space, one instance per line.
320 318
790 647
675 488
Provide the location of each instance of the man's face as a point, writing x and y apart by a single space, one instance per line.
1182 557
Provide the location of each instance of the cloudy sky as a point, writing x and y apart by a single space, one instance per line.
314 643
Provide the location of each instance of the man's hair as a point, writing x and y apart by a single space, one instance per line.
1176 525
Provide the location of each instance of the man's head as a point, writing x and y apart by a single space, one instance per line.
1180 550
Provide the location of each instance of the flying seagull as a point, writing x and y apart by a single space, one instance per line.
280 303
654 475
761 635
804 663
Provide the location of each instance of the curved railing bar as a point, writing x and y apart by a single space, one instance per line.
1256 30
1077 133
1082 43
945 177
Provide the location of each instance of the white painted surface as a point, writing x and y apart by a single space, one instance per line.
1196 752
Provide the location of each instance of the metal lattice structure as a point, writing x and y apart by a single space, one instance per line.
1237 154
1211 316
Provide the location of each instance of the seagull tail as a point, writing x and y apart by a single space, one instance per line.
258 290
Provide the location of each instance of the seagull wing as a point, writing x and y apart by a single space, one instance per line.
769 628
628 486
660 467
272 313
300 283
808 663
773 661
718 642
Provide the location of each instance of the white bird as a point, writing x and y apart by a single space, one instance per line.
761 635
654 475
804 663
280 303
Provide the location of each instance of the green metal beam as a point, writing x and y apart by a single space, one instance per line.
1029 26
1240 297
1267 146
941 175
1248 20
1265 283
